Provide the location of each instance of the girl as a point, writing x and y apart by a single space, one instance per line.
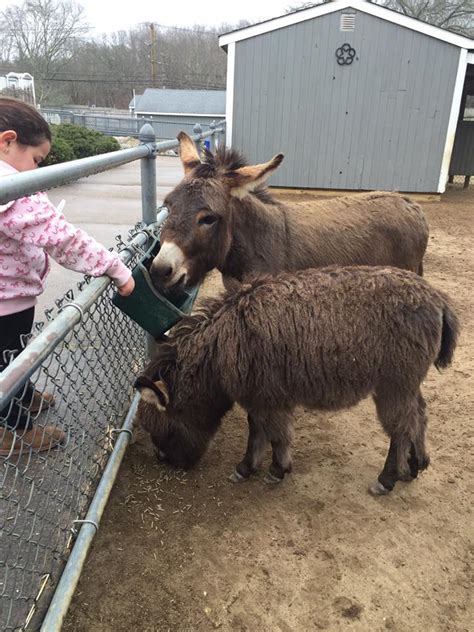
31 230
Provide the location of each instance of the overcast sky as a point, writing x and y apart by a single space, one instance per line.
114 15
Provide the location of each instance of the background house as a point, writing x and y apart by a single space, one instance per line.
18 84
174 110
357 97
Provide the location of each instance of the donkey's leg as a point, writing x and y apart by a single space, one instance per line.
257 442
402 417
419 442
280 434
418 459
389 475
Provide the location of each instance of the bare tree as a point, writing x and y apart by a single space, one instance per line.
47 40
104 71
6 43
43 33
291 8
453 15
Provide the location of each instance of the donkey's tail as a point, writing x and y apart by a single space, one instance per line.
449 336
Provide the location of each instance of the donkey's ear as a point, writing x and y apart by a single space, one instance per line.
246 179
162 395
188 152
154 393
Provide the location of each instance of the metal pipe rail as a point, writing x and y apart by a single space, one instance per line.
26 183
67 584
31 358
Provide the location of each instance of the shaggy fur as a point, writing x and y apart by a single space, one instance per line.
256 234
323 339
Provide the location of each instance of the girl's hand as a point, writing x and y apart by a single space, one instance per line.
127 289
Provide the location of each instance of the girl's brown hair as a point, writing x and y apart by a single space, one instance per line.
25 120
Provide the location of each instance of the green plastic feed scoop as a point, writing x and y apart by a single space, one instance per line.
146 306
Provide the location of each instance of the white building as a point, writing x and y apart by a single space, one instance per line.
21 81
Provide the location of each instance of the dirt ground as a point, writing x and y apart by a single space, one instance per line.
192 552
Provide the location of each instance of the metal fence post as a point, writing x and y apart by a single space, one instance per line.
148 175
221 138
197 129
212 128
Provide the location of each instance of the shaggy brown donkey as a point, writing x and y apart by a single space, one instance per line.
324 339
222 217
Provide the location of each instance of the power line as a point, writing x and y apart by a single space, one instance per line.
108 78
195 79
146 82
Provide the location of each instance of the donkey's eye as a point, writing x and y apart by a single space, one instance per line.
207 220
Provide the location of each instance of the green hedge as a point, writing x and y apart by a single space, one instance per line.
61 151
72 141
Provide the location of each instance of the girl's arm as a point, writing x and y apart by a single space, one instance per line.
34 220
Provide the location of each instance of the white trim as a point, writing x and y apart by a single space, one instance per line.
358 5
222 115
229 94
470 58
453 119
282 21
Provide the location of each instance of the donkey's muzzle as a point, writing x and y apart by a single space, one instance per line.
168 268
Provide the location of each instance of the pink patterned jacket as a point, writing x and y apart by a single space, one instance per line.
31 228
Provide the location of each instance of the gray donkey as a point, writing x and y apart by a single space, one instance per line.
321 338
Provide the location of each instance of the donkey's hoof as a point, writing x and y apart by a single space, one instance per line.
236 477
271 479
377 489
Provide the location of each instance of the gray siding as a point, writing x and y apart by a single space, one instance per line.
380 123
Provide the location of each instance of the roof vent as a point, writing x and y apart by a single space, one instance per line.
347 22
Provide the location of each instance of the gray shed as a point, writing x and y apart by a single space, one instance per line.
174 110
357 97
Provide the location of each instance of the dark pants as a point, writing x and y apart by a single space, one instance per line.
12 328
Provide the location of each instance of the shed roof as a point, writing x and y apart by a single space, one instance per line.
358 5
163 101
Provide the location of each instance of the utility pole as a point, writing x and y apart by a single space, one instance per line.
153 54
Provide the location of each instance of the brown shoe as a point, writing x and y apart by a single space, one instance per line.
41 401
38 439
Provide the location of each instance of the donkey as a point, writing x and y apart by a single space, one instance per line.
321 338
221 216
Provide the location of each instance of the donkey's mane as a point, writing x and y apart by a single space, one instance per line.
224 159
212 307
228 160
199 319
166 357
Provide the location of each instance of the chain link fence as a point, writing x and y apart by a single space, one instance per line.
460 182
89 374
73 380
